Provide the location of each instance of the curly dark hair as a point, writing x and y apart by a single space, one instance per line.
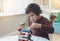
33 7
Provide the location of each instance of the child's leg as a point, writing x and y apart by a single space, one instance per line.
36 38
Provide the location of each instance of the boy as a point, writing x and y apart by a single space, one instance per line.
40 26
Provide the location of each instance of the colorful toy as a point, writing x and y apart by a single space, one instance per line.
24 33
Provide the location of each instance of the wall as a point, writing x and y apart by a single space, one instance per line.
9 24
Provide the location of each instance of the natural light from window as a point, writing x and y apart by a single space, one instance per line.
13 7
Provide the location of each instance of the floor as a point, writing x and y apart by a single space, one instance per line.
56 37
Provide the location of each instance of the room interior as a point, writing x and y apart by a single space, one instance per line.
12 12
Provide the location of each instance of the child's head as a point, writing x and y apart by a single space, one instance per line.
33 7
33 10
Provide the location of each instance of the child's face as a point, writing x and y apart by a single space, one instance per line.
32 16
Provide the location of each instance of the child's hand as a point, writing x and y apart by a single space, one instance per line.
19 28
35 25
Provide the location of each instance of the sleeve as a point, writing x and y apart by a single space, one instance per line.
47 27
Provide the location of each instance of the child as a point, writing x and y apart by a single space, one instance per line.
40 26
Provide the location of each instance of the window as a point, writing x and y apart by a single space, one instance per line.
1 5
13 7
16 6
22 4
